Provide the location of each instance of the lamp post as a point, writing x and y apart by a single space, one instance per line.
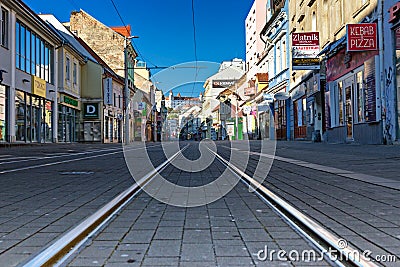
126 89
236 115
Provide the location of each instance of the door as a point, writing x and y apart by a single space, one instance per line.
349 109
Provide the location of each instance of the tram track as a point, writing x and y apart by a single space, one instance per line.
334 248
58 252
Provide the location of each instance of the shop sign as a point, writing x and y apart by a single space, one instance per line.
141 105
247 109
362 37
91 110
38 86
70 101
108 91
268 98
305 50
394 11
397 36
222 83
281 96
230 129
249 91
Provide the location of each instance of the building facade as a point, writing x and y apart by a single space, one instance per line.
28 79
110 44
391 70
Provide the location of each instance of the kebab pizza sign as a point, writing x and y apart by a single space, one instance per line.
362 37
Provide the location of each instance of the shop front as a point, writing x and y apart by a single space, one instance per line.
391 90
33 114
112 129
3 113
298 96
91 122
352 98
68 119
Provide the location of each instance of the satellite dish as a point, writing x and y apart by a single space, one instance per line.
281 96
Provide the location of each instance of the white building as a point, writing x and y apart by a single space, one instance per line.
255 22
178 101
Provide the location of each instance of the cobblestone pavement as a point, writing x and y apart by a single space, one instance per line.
227 232
356 207
351 190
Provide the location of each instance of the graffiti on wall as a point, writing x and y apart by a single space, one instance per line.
389 110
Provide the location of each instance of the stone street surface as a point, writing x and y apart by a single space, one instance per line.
352 191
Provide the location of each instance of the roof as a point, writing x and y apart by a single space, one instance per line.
216 108
228 73
66 35
124 31
262 77
99 59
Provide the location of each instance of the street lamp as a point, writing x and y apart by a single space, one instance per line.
126 89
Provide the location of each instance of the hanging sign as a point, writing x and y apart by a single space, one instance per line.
305 50
108 91
362 37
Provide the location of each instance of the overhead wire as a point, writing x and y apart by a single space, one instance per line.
126 28
195 48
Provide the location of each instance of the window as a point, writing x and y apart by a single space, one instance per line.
340 102
4 28
67 69
278 57
284 62
360 98
33 54
74 73
314 22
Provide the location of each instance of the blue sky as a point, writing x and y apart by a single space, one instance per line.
165 27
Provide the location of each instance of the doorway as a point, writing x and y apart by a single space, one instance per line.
349 110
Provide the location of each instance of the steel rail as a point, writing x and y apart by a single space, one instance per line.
303 223
62 248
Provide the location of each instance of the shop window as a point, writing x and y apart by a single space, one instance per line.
48 129
2 113
4 27
20 111
340 102
360 98
33 54
106 127
280 119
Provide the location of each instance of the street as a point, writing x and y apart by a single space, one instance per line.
351 191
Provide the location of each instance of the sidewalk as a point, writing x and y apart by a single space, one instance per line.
365 214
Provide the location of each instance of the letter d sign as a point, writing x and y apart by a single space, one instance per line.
91 110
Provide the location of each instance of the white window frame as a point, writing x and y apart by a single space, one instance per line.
4 27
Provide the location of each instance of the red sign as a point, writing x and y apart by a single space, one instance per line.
362 37
305 39
394 12
305 50
249 91
397 34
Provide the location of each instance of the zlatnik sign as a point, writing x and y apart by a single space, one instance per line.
362 37
305 50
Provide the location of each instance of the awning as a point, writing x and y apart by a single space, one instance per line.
331 46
